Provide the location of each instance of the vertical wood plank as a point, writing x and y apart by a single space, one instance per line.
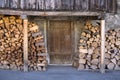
84 5
45 37
58 4
14 4
6 2
102 46
114 5
25 44
77 4
27 4
2 3
87 5
22 4
102 5
76 36
92 5
72 29
62 5
48 37
47 4
66 4
72 4
40 4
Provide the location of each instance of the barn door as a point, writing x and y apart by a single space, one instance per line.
60 42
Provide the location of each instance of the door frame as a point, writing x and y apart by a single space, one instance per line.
47 24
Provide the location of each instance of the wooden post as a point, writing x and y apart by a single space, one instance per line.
102 46
45 34
76 36
25 43
48 46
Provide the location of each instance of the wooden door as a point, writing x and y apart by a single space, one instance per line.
60 42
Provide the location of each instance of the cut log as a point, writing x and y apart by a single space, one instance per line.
111 66
107 56
95 61
82 61
82 55
90 51
40 44
94 44
36 34
34 28
83 50
114 61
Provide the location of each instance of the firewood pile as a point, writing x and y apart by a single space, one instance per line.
11 45
89 48
37 53
11 41
112 52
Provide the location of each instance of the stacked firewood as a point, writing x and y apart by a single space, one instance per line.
112 52
11 41
37 53
89 47
11 45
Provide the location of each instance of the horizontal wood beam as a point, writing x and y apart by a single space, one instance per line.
48 13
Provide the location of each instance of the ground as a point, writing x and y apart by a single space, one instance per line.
59 73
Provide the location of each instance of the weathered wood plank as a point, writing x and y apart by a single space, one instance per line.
46 42
61 5
49 4
58 4
102 46
102 4
40 4
22 4
2 3
6 3
14 3
67 4
30 4
49 13
25 46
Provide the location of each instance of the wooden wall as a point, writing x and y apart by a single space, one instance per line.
60 5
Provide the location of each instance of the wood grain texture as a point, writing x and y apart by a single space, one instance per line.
48 13
61 5
25 44
60 42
